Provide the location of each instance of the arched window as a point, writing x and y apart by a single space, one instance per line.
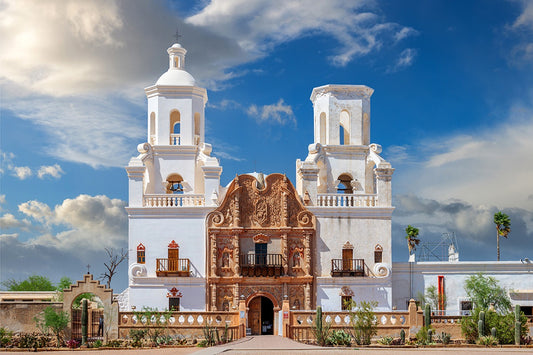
344 123
323 128
141 256
174 184
378 254
345 184
175 127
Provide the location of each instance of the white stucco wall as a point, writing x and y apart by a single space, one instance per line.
512 275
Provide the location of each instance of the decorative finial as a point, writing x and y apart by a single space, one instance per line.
88 267
177 35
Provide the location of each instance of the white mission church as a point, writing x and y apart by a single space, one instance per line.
195 245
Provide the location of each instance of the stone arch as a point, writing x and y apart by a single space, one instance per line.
88 285
344 123
268 295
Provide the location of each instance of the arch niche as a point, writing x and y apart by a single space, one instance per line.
88 285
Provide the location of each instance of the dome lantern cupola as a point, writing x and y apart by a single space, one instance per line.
176 75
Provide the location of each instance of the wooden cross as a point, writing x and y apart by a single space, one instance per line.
88 267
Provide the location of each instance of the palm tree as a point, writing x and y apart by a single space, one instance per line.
412 238
503 228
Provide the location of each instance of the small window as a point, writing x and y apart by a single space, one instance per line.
466 308
346 302
141 256
174 304
378 254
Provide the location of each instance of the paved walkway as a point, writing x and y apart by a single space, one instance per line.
272 344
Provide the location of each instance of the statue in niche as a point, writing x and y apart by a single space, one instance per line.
296 304
296 259
225 306
225 259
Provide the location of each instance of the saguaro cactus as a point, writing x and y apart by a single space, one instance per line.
430 335
402 336
427 316
84 321
481 324
493 332
517 325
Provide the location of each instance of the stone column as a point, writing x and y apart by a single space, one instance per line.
213 239
213 297
307 252
285 310
285 253
307 180
242 317
236 255
236 295
307 296
384 176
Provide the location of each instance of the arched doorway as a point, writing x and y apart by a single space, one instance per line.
261 316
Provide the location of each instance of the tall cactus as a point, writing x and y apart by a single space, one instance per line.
481 324
427 316
84 321
430 336
517 325
402 336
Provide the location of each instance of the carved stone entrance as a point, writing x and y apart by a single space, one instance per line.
259 242
261 316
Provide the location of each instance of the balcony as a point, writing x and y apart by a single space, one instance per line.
257 265
347 267
175 139
173 200
347 200
173 267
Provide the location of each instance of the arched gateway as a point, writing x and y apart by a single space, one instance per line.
259 250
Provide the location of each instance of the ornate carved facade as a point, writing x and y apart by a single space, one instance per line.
260 240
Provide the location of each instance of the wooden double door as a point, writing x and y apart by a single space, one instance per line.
261 316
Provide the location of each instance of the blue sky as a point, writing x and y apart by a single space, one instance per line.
452 108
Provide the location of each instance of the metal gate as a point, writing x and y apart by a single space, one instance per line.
92 326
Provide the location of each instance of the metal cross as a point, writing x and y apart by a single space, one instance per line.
177 35
88 267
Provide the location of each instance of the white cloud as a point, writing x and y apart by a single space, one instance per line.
406 59
521 30
278 113
54 171
92 222
525 19
9 221
260 25
21 172
2 199
491 167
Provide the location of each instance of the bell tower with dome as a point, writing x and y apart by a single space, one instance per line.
174 183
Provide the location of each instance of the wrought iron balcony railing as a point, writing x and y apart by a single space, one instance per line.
261 265
173 267
347 267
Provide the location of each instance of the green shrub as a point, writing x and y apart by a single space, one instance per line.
387 340
115 343
137 337
97 343
5 337
444 338
339 338
363 321
504 325
488 340
321 329
422 336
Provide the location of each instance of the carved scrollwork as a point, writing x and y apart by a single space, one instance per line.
382 270
305 219
217 219
137 270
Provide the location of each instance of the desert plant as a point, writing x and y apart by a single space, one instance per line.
504 326
503 228
488 340
51 320
137 336
363 320
73 344
517 325
339 338
427 315
444 338
402 336
423 336
321 329
97 343
386 340
209 336
5 337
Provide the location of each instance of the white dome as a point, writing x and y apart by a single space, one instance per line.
176 77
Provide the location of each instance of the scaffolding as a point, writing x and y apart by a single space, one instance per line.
446 249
